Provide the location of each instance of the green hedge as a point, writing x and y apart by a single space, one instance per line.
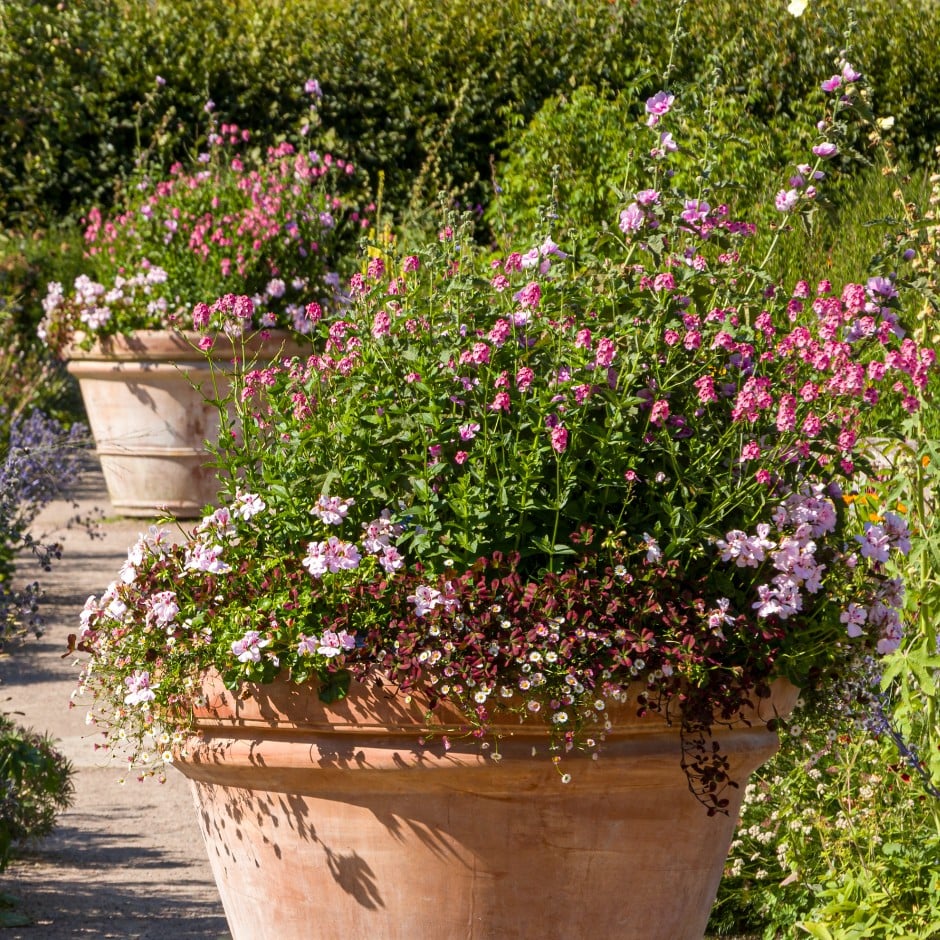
423 91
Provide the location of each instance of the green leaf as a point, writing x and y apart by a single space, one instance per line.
334 687
817 930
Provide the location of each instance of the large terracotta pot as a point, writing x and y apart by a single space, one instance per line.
338 821
143 394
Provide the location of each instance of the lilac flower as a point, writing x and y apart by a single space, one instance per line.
391 559
139 689
331 556
312 87
875 542
653 551
631 219
747 551
204 557
853 617
332 644
786 200
825 151
695 210
248 505
881 287
164 607
849 74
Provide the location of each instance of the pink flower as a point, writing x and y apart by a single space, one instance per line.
631 219
524 378
201 315
659 412
500 402
657 106
582 339
831 84
606 350
461 457
786 200
530 295
206 343
705 386
468 431
559 436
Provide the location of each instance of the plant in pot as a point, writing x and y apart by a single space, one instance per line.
274 225
513 576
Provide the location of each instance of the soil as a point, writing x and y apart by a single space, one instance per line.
126 861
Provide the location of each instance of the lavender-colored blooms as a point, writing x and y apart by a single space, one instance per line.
825 151
40 462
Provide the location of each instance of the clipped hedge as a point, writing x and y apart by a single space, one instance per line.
409 84
425 92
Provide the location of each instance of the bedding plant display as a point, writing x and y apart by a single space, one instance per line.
528 484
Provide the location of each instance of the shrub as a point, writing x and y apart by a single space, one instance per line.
35 784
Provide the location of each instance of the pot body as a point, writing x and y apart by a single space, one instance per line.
330 821
147 397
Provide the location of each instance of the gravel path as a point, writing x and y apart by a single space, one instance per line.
125 861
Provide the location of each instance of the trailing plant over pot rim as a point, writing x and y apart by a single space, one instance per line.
527 483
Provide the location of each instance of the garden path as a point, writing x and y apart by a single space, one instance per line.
125 861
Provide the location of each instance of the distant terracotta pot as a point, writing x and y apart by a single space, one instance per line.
143 395
337 821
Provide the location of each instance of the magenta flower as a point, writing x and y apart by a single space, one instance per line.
695 210
500 402
831 84
606 351
657 106
559 436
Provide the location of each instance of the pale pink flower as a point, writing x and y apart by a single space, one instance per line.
248 648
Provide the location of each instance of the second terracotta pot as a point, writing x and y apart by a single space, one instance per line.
146 397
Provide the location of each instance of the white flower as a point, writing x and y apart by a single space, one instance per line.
796 7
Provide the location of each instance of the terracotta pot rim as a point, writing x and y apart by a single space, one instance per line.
378 707
175 345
